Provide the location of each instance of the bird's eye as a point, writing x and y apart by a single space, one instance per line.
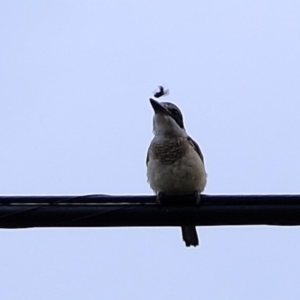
174 112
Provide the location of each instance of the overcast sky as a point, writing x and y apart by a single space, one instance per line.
75 79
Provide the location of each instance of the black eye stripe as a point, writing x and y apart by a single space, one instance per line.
174 113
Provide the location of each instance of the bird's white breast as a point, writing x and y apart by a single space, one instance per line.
186 175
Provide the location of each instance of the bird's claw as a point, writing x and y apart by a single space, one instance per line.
197 198
159 198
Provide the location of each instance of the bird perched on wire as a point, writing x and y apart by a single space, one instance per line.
175 164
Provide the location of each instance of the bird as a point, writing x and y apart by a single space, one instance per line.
175 163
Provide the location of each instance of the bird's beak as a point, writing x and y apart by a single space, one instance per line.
158 108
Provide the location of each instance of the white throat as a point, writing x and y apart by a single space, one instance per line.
165 126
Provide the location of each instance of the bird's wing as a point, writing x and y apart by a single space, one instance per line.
196 148
147 159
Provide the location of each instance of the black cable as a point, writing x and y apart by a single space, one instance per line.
118 211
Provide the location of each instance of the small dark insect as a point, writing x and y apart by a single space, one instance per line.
161 92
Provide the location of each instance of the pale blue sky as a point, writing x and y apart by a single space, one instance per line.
75 78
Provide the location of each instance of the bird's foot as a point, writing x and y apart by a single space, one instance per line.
166 199
197 198
159 198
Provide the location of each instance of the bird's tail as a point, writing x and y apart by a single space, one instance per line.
189 235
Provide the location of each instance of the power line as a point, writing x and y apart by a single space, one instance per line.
120 211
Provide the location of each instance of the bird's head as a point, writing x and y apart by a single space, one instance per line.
167 120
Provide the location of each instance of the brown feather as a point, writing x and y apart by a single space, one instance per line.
169 151
196 147
172 150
